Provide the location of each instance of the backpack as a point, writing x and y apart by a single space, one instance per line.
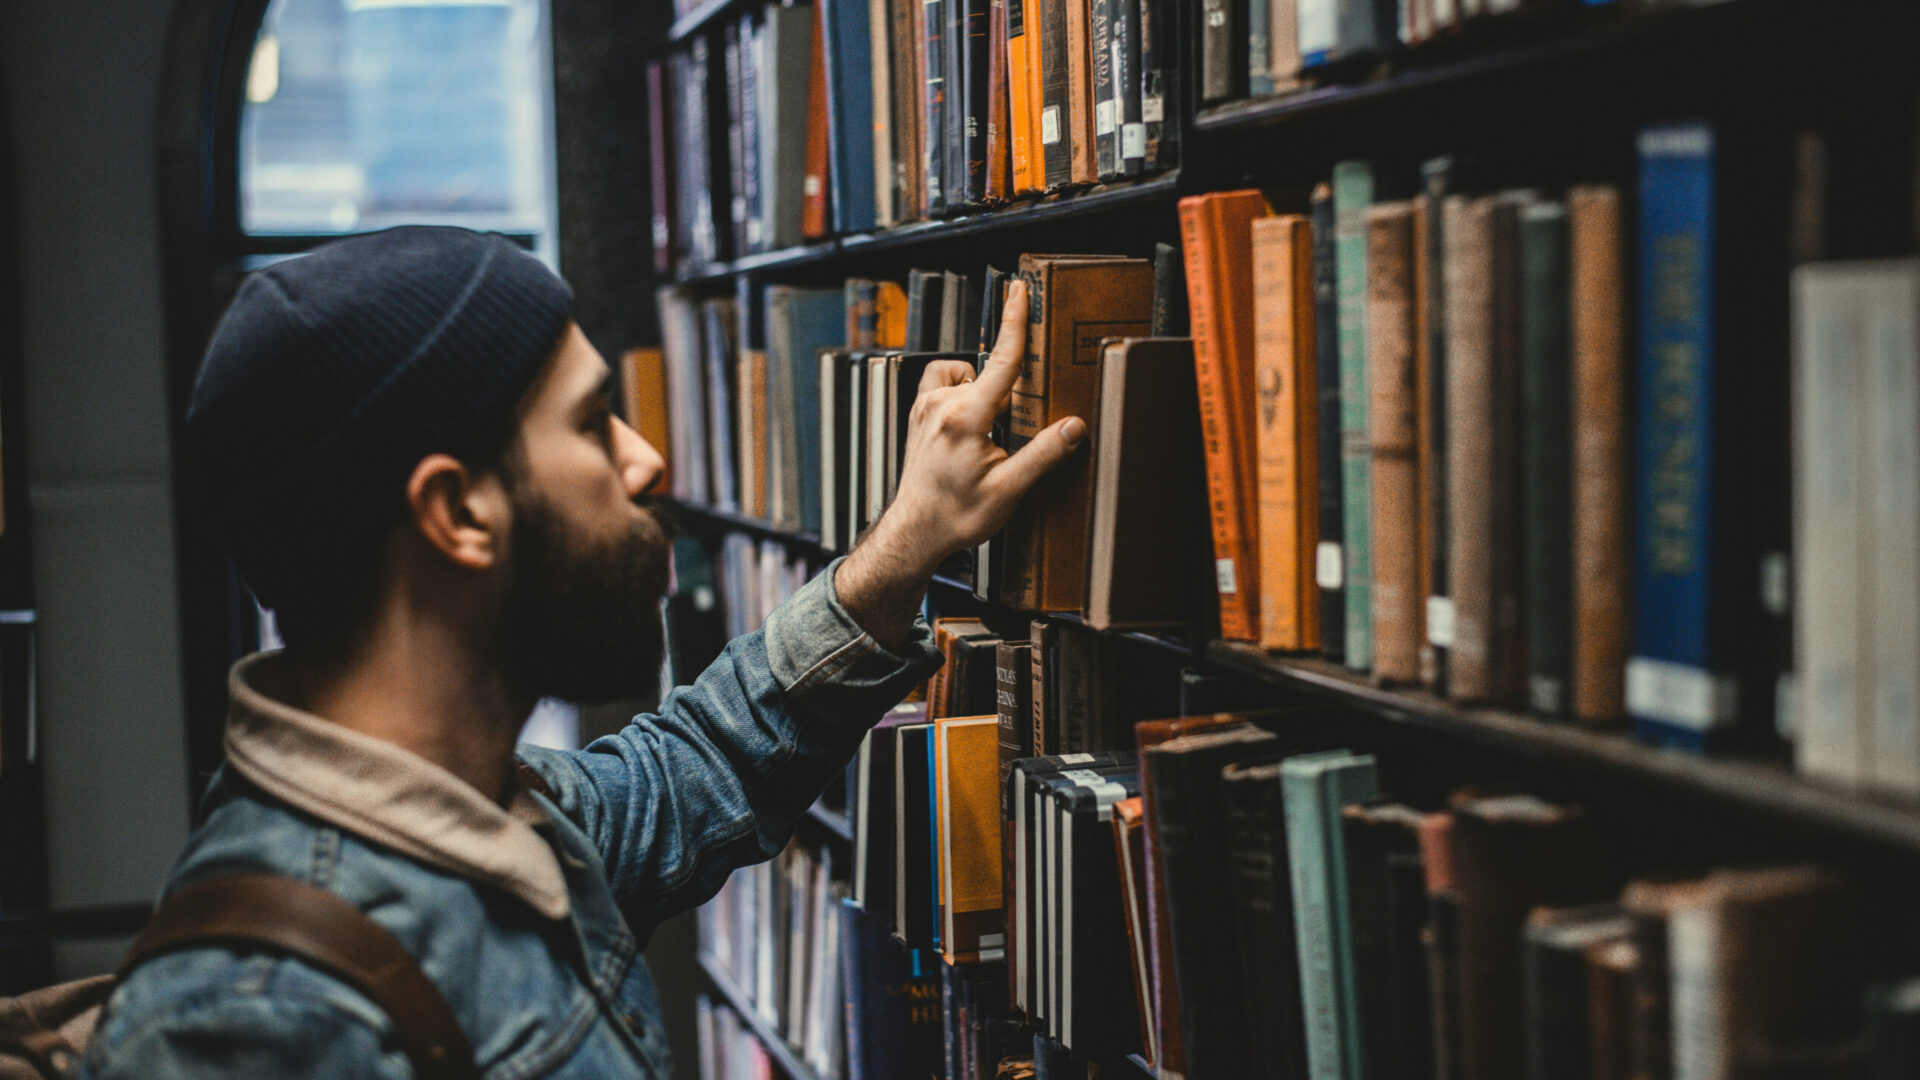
42 1034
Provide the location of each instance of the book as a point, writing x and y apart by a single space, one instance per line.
750 375
1315 787
1100 67
1130 851
744 52
786 66
800 322
645 402
924 291
1262 899
1160 84
1169 291
936 137
1216 237
815 198
1354 186
1283 46
872 810
913 868
1701 674
1440 178
1093 1009
1286 441
1076 303
907 18
969 829
1043 664
1224 45
717 337
1393 478
1440 940
1555 967
1186 807
1024 148
1328 569
1386 886
1079 114
1055 124
886 205
945 630
1546 452
1128 104
1601 586
853 123
1146 466
890 1030
664 218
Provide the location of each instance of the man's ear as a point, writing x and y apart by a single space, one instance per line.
462 513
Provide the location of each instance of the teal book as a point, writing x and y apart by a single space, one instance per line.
1353 192
800 322
1313 790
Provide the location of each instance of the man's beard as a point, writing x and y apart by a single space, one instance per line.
583 619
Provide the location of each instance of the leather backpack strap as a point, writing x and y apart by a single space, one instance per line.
277 913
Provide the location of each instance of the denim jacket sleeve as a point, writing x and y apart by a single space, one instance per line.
719 776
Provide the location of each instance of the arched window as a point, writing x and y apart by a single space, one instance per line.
363 114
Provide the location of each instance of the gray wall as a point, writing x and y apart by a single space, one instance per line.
82 79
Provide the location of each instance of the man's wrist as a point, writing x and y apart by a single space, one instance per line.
881 584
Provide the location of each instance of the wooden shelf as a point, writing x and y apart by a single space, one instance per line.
1762 788
1471 59
786 1057
1143 637
1019 215
752 525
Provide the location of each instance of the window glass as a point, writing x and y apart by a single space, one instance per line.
362 114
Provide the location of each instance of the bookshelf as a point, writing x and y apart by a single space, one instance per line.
737 1000
1520 94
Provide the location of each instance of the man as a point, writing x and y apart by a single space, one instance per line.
408 447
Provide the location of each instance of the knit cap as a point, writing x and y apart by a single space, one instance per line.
332 374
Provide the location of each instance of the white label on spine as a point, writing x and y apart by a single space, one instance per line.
1774 582
1075 759
1153 109
1229 582
1440 622
811 185
1679 694
1050 125
1133 140
1103 118
1328 570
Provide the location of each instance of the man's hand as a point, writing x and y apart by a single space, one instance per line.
956 487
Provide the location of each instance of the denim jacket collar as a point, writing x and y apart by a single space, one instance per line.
387 795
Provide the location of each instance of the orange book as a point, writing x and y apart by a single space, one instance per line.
814 222
1286 419
1078 302
890 316
1080 144
1217 239
966 762
1399 623
645 398
1029 63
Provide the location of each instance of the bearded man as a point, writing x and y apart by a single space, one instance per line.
409 449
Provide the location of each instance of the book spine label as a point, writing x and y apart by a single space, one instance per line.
1599 407
1353 186
1546 464
1327 555
1397 611
1319 30
1675 685
1020 105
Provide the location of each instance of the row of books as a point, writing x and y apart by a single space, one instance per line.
1238 896
1257 48
729 1049
795 123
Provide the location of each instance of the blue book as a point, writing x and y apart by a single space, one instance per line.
1680 688
800 322
1313 790
849 57
892 1027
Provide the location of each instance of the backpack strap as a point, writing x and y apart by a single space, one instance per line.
280 914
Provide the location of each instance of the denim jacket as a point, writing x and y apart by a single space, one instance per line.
529 918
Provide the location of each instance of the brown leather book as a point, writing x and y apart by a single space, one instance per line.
1130 851
1286 419
753 435
1145 464
999 184
1399 623
1085 168
644 397
1078 302
1471 487
1166 996
1601 585
909 110
1512 853
1216 236
815 220
1283 43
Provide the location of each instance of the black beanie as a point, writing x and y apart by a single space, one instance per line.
333 374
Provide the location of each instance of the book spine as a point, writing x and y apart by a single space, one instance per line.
1392 429
1469 449
1046 738
1277 270
1158 79
1546 455
1106 128
734 59
1440 180
815 196
886 210
850 113
1056 106
1353 188
953 51
1023 146
660 167
909 95
1028 415
933 67
1210 240
1080 140
1328 574
1892 528
1263 916
1678 691
1283 44
1319 31
996 181
1600 447
1126 87
1508 640
1223 50
1257 16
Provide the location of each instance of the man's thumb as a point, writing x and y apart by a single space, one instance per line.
1047 450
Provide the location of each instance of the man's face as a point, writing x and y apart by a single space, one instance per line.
588 561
